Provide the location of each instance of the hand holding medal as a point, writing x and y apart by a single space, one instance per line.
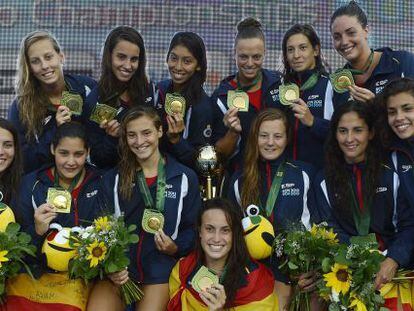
43 216
63 115
73 101
164 243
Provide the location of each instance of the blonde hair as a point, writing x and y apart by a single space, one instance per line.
32 101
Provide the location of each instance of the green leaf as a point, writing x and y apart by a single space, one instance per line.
133 238
326 264
292 266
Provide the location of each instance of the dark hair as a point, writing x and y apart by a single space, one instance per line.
336 172
70 129
108 84
249 28
310 33
193 88
351 9
10 178
395 87
128 164
238 257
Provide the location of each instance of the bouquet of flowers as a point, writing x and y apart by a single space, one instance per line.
302 251
348 279
14 246
102 249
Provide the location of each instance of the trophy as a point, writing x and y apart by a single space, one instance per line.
207 162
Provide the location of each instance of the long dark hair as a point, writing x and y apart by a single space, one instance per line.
395 87
128 165
336 172
351 9
109 85
193 88
310 33
72 129
10 178
238 257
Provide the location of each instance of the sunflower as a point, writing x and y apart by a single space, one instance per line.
97 252
102 224
339 279
3 257
357 304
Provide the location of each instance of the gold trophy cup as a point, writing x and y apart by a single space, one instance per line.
207 163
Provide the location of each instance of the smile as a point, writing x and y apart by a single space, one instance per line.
59 248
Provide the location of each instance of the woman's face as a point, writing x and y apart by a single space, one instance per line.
143 138
125 60
272 139
181 64
45 63
249 54
7 149
350 39
300 53
400 110
353 136
70 157
216 236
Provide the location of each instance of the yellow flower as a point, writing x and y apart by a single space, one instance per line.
102 224
3 257
97 252
321 232
357 304
339 279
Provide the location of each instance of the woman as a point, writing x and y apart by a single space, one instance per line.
190 129
303 66
43 91
10 162
43 217
267 169
359 195
371 69
123 84
232 126
150 189
243 284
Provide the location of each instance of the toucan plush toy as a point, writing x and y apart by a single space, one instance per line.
258 234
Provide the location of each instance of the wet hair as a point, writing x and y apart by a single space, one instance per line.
32 99
336 172
395 87
251 173
128 164
309 32
138 86
10 178
249 28
193 88
72 129
238 257
351 9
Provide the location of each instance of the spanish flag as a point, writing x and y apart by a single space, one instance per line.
256 295
398 296
51 292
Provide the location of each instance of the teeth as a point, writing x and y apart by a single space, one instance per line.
216 247
402 127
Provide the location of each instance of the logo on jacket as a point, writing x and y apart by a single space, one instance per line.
289 189
381 189
91 194
406 168
207 131
46 120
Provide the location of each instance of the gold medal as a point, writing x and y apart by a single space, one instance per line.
152 220
204 279
73 101
341 80
174 103
288 93
238 99
60 199
102 113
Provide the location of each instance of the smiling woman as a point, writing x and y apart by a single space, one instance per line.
42 90
161 197
221 255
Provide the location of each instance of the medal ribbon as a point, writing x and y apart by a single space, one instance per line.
160 192
72 185
310 82
367 64
250 86
361 207
275 189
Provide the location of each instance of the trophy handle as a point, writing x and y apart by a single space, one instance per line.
209 188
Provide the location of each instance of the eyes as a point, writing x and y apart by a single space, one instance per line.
124 57
302 47
345 131
66 153
46 57
245 57
211 229
145 133
8 145
404 108
186 60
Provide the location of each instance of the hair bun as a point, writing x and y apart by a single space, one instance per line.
248 22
